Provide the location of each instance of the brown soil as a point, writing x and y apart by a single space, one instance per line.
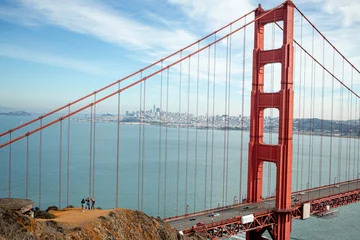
74 217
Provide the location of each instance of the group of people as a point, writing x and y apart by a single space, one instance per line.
87 205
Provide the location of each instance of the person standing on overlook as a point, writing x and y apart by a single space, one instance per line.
82 204
92 203
88 203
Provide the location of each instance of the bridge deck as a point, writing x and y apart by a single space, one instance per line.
183 222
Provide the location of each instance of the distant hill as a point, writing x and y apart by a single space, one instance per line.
15 113
7 109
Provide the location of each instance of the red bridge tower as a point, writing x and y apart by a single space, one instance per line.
280 154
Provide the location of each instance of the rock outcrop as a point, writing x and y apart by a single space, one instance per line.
117 224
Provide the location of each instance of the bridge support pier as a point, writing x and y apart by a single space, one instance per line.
281 153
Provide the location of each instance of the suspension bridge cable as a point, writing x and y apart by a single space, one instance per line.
60 165
136 82
178 142
318 31
40 164
322 66
160 129
242 117
131 75
139 144
68 162
166 138
143 151
27 168
213 128
117 150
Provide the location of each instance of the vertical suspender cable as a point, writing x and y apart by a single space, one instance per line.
299 112
139 143
143 151
303 124
207 127
313 120
341 126
213 127
187 139
311 115
348 143
94 147
228 121
166 137
60 164
68 162
117 150
10 163
178 152
160 128
242 119
358 147
331 119
40 164
225 117
90 160
350 120
354 139
27 167
322 115
196 125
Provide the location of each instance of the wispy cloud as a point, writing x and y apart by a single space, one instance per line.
49 59
97 20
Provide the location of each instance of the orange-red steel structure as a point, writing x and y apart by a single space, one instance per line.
280 154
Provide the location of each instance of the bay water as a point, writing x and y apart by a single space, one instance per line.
169 171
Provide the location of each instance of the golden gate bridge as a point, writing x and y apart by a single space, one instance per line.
315 82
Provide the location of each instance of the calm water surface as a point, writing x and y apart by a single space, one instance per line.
209 155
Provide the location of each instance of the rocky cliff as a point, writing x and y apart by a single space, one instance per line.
116 224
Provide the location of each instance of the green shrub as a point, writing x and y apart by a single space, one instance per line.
52 208
43 214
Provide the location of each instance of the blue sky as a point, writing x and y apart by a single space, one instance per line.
53 52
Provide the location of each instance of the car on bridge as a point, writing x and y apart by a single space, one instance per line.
214 215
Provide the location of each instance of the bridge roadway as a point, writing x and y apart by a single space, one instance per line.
186 221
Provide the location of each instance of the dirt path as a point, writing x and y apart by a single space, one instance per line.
74 217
